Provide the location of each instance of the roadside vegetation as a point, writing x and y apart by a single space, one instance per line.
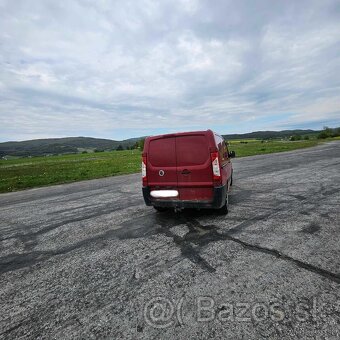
255 147
30 172
22 173
329 133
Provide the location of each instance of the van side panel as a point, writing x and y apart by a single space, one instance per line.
226 167
161 155
226 164
194 172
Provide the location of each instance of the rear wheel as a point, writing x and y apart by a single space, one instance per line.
161 209
224 209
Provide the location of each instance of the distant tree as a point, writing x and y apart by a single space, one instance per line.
295 137
84 151
336 132
141 143
306 137
325 133
120 147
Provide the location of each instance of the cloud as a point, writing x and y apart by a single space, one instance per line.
127 68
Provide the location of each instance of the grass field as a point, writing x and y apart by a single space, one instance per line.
256 147
22 173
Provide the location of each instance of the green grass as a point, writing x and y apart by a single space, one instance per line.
32 172
256 147
22 173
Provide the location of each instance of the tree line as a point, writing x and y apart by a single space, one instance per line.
323 134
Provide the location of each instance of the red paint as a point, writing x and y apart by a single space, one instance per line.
186 159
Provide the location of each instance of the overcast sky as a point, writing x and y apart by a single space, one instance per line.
120 69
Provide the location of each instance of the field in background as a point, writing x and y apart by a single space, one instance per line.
251 147
22 173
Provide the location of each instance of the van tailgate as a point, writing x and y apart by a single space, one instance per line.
194 173
161 163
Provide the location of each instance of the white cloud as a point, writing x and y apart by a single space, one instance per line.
97 68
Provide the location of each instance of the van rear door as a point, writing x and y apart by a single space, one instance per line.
194 174
161 163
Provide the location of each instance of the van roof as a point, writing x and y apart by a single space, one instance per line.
201 132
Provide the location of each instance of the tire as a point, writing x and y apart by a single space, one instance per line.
160 209
224 209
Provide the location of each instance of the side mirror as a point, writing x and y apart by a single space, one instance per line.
232 154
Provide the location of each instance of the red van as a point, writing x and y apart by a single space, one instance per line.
187 170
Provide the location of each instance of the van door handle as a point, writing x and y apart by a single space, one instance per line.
186 172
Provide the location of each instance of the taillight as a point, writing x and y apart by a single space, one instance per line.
215 166
144 177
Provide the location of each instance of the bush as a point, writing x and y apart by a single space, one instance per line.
296 137
325 133
139 144
336 132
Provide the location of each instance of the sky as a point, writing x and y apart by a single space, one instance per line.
120 69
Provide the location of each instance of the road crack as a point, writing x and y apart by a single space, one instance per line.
206 234
314 269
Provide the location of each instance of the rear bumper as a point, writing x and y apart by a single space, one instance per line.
218 201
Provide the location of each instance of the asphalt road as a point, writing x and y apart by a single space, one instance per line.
89 260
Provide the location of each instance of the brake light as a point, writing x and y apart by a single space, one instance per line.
144 177
215 166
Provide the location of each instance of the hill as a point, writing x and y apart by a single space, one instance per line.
270 134
55 146
40 147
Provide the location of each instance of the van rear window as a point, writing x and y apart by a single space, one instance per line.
191 150
162 152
